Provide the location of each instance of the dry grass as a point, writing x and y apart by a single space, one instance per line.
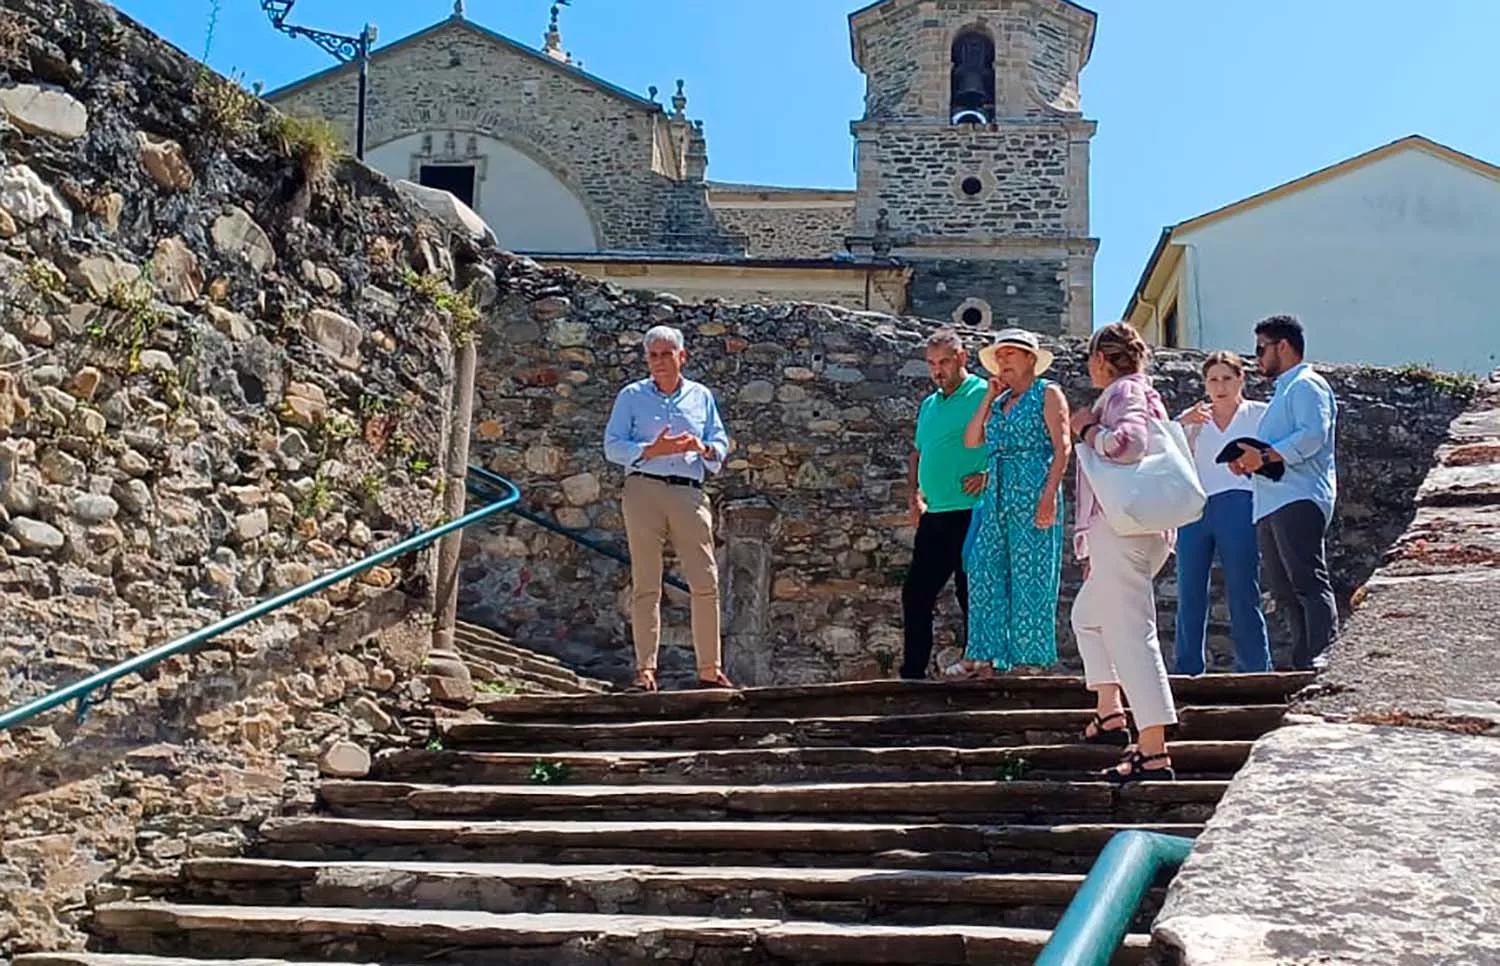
225 106
15 35
314 142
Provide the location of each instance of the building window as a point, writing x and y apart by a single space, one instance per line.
971 186
972 80
975 313
455 178
1169 334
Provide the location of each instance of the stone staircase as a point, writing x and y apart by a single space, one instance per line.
496 664
871 822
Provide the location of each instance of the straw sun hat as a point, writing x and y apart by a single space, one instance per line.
1019 339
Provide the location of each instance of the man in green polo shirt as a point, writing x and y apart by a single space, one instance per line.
944 479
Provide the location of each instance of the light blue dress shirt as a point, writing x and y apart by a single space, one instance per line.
1299 424
640 413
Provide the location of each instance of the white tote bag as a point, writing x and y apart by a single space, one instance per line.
1161 492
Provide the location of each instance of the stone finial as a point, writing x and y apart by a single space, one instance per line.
552 41
653 92
458 9
679 104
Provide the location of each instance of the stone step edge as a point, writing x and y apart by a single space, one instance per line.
478 929
1040 887
131 959
1286 682
332 830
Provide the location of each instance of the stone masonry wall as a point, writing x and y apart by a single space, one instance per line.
785 232
217 381
813 534
1017 292
917 174
597 142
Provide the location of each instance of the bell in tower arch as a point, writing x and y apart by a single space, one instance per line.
972 99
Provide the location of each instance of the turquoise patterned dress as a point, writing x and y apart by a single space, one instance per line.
1013 567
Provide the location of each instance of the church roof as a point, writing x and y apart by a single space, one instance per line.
460 22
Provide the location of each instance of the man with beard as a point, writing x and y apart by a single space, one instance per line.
944 480
1292 508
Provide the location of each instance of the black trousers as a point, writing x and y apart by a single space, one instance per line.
937 556
1294 559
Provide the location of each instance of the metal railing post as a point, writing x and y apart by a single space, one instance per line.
1095 922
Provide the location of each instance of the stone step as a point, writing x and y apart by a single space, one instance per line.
966 729
526 681
530 669
910 802
499 648
893 897
884 697
1213 760
127 959
957 847
517 939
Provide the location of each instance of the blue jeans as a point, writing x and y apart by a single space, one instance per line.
1225 529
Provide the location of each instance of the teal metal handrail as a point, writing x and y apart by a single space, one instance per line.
82 691
1095 922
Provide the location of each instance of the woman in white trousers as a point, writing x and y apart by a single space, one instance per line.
1114 615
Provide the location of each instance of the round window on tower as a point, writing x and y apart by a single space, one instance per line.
973 185
974 313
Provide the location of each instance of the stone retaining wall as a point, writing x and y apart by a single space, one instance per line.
217 381
813 535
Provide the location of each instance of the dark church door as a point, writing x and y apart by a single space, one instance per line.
456 178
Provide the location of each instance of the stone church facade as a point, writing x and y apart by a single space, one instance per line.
971 198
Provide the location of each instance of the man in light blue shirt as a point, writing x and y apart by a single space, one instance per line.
1292 509
666 432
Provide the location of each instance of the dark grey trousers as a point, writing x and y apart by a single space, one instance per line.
1295 565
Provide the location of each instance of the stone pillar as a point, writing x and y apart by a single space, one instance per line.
748 526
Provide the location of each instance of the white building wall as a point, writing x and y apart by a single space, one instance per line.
529 208
1393 263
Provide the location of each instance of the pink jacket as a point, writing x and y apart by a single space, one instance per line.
1125 410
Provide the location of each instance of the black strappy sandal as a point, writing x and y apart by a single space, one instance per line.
1136 770
1108 736
644 683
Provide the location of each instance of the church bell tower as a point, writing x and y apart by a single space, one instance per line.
973 158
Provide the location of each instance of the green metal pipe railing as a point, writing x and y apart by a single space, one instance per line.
83 691
1095 922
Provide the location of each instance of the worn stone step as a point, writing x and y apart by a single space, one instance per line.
1003 848
1192 759
518 939
885 697
898 897
128 959
965 729
527 681
500 649
532 669
914 802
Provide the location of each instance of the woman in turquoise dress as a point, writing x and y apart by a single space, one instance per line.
1013 552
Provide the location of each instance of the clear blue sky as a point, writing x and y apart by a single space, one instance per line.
1199 102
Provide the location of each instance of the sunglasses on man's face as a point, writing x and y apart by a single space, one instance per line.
1260 348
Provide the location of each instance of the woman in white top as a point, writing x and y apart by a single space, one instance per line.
1225 528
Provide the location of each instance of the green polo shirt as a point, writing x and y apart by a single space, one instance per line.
944 459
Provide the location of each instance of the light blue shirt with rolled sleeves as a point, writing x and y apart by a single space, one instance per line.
1300 424
642 411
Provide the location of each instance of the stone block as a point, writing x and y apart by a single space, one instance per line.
39 110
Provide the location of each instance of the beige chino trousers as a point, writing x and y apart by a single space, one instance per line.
1114 620
656 512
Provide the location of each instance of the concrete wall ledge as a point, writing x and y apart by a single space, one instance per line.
1364 833
1346 845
